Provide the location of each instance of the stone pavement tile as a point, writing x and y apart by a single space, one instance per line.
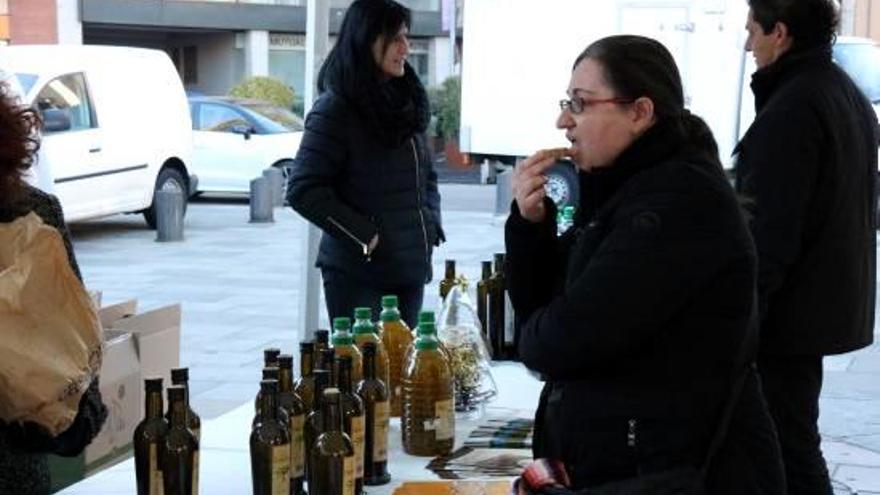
211 408
871 442
840 418
851 385
861 479
866 363
844 452
837 363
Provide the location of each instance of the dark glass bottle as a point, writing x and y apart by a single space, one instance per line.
270 357
296 411
484 286
376 412
270 446
333 453
148 438
268 374
497 310
179 456
322 341
329 365
305 384
353 419
448 279
180 376
315 420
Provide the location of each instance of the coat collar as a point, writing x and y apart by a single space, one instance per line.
767 80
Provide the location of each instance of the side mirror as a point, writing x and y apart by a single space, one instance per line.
55 120
244 130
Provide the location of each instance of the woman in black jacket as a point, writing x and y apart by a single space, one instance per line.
642 316
363 172
23 447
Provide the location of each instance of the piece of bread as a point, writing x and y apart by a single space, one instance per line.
558 153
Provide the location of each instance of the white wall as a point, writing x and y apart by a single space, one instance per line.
217 70
256 53
438 58
70 31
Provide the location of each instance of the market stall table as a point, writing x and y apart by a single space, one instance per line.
225 460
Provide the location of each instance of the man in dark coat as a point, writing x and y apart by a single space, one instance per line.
806 168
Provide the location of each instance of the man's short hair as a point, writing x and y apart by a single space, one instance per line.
810 23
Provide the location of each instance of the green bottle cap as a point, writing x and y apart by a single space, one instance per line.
363 313
427 328
426 316
342 334
389 314
364 322
342 323
427 338
389 302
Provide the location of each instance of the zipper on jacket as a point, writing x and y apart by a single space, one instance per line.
412 142
631 433
339 226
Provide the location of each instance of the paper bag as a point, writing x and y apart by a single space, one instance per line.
50 338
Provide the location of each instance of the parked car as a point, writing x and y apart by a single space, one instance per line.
115 125
236 139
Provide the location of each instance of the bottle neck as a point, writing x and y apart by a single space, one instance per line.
305 364
185 385
343 381
332 418
450 272
178 413
285 380
390 314
268 406
319 396
487 271
369 367
154 405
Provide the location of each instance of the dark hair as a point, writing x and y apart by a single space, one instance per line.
810 23
18 143
635 67
350 67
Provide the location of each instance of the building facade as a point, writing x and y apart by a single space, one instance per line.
214 43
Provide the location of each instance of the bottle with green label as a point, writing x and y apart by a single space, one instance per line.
270 446
148 438
179 455
296 415
397 339
428 421
333 453
365 331
343 344
376 413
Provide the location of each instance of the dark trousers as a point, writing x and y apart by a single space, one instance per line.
343 293
792 385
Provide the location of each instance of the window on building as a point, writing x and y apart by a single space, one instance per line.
419 60
186 60
218 118
66 97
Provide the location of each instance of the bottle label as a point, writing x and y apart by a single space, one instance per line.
348 475
281 470
156 481
357 438
195 475
444 424
297 447
380 431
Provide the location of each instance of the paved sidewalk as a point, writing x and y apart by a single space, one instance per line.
240 290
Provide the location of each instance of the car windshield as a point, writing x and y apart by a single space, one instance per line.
273 118
26 81
862 62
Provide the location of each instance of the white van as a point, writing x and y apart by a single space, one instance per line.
116 125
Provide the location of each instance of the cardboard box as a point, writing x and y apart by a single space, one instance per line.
157 338
109 315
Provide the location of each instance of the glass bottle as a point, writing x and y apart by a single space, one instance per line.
148 438
396 338
333 453
268 374
322 341
305 384
448 280
270 446
328 361
427 423
179 455
498 310
315 420
484 286
296 411
366 331
376 413
180 376
353 419
343 344
270 357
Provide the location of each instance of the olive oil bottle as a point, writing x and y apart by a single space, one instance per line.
296 415
305 384
149 435
365 331
397 339
484 287
270 446
343 344
353 419
180 376
333 453
448 281
315 420
270 357
428 422
376 413
179 455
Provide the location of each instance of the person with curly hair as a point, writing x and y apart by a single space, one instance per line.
24 447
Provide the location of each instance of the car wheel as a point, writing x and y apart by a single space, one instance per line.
169 179
562 184
286 167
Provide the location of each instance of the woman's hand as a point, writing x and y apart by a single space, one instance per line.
528 184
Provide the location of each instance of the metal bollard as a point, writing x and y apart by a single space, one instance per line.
503 192
169 215
261 201
276 184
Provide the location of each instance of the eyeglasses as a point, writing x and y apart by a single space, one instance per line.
577 104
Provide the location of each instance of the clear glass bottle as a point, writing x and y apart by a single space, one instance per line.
353 419
397 339
179 456
270 446
343 344
333 453
365 331
149 435
376 413
428 421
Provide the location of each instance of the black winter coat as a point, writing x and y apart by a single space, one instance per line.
352 186
640 317
807 168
